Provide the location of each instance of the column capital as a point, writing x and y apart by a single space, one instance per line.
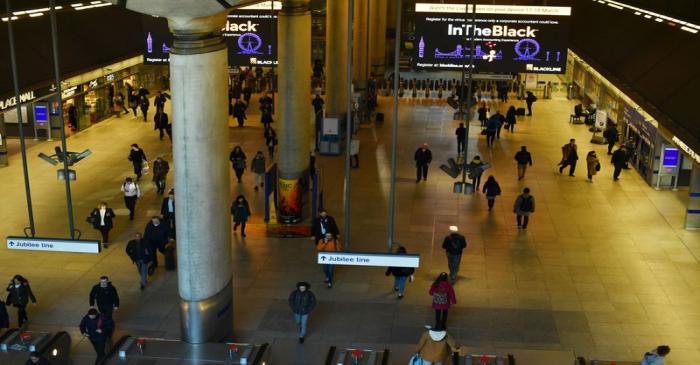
295 6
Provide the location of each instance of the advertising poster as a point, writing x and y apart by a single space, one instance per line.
290 200
507 38
157 41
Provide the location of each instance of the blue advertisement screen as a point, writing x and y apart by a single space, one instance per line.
671 156
41 114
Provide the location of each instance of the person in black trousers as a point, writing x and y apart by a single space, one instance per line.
19 295
132 192
104 297
161 123
323 224
529 99
156 235
461 134
569 156
143 105
97 328
423 157
611 136
619 160
167 211
101 219
137 157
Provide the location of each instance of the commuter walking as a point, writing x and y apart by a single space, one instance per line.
492 190
482 114
247 93
355 153
656 356
161 123
401 274
461 133
159 100
35 358
170 255
240 210
239 112
96 328
454 244
143 105
134 102
529 99
101 219
104 297
476 169
493 124
19 295
137 158
523 207
167 211
330 244
619 160
317 104
237 158
501 121
132 192
257 166
569 156
511 119
523 158
592 164
302 302
119 105
160 173
323 224
140 254
156 234
443 297
266 118
423 157
435 347
4 316
270 141
611 136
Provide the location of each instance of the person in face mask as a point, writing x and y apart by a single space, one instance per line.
104 296
20 293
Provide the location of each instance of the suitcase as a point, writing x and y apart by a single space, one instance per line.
598 140
379 117
520 111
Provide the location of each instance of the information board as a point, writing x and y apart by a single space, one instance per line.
368 259
53 245
507 38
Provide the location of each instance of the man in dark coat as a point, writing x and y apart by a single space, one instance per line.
453 245
104 296
302 301
461 134
97 329
423 157
323 224
167 211
611 136
35 358
161 123
523 158
569 156
156 235
159 101
160 173
140 254
619 160
529 99
19 295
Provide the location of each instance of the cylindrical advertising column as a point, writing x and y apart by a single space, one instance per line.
294 106
692 218
336 57
377 31
198 79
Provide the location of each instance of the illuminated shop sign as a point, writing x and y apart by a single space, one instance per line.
12 101
506 38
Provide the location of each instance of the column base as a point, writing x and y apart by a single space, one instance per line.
209 320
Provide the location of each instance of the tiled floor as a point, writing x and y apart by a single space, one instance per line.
604 269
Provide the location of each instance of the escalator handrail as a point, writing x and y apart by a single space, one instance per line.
117 345
329 357
7 334
53 340
385 359
259 355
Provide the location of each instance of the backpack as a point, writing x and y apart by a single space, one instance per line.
440 297
526 204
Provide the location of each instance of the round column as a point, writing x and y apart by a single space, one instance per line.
198 76
361 52
377 31
692 218
336 57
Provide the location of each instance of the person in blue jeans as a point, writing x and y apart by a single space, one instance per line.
302 301
401 274
328 244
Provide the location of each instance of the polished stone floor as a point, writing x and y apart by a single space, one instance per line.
604 269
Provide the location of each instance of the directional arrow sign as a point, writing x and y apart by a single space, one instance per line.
53 245
368 259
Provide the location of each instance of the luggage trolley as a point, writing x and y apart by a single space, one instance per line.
15 346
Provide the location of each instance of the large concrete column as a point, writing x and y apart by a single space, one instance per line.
692 218
361 52
377 40
198 76
336 57
294 107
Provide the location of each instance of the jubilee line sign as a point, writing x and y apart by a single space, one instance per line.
53 245
368 259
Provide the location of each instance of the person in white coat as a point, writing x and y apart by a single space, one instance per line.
656 356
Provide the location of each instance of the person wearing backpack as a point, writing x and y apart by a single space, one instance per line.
492 190
401 274
434 348
443 297
453 245
524 206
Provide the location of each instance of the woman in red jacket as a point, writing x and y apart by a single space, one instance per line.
443 297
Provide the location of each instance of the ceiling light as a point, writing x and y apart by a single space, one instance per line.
34 15
637 13
13 18
659 20
691 30
615 6
19 12
647 16
58 7
76 5
38 10
95 2
84 7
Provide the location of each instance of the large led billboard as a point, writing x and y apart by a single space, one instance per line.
507 38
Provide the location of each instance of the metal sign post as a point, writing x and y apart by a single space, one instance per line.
394 130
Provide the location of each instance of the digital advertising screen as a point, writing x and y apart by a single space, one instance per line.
251 37
157 41
507 38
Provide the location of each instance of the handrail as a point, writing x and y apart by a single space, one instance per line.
259 355
329 357
115 347
385 359
53 340
7 334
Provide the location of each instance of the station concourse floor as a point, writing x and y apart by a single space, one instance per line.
604 270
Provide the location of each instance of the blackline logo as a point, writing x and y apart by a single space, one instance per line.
494 31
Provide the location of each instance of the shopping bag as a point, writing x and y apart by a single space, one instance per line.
145 168
415 360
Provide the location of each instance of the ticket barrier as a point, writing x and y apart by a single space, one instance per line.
483 359
132 350
357 357
582 361
15 346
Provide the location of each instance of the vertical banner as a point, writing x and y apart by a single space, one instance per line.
290 193
601 119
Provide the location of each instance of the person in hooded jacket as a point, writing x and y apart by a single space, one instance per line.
104 296
436 346
656 356
492 190
98 329
302 302
401 274
19 295
443 297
